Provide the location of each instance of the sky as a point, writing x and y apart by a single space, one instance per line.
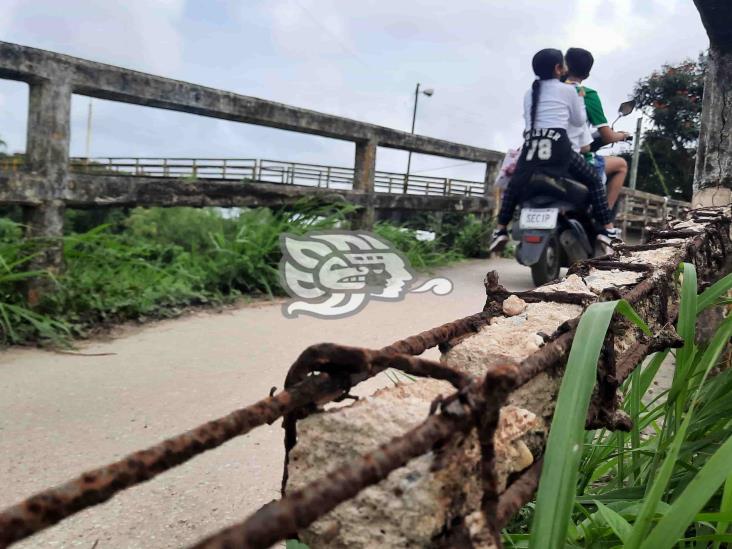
355 58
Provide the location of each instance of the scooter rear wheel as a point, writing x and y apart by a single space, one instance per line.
547 268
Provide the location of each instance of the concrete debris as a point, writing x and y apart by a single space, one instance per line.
509 338
572 283
479 532
414 503
513 305
654 257
599 280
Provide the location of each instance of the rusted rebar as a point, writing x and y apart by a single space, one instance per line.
98 485
518 493
497 385
416 345
280 519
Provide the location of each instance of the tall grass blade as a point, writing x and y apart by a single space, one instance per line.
635 406
556 495
711 295
674 523
614 520
658 487
687 319
725 510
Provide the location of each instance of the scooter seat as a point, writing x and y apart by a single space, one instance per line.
543 190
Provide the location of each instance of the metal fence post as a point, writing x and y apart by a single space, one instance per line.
636 154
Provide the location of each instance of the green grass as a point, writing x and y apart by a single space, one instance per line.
153 263
667 483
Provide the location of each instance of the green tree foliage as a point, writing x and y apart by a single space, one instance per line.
672 98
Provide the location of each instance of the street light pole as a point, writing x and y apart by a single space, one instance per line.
636 153
88 131
428 92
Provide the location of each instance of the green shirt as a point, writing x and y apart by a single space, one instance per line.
593 106
595 114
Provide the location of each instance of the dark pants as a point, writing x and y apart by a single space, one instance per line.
545 153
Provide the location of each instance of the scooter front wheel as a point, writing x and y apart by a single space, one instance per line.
547 268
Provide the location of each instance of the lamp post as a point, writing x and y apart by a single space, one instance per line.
428 92
88 131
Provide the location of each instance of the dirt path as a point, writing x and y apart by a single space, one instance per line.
61 414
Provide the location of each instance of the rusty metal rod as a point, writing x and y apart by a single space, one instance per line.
518 493
417 344
48 507
283 518
96 486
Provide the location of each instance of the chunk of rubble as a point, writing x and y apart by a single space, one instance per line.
687 225
509 338
572 284
598 280
417 502
414 503
654 257
513 305
479 532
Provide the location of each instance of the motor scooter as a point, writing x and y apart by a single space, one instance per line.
555 227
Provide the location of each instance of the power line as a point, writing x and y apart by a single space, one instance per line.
337 39
444 167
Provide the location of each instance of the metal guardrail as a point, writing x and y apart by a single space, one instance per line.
639 209
275 171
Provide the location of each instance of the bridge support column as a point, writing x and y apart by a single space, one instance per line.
363 181
47 152
489 190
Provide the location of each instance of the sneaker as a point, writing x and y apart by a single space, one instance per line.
608 238
498 241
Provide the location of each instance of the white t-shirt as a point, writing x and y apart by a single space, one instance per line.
579 136
559 106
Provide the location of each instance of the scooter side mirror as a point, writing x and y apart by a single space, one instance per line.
626 107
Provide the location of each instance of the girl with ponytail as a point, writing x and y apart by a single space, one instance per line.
550 107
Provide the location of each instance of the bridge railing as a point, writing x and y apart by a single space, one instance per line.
639 209
276 171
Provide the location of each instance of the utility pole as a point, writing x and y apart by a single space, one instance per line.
428 92
636 153
88 131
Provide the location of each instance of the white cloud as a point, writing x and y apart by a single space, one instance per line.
136 33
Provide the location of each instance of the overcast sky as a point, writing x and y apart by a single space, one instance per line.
354 58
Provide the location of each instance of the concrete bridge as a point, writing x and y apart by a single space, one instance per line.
47 184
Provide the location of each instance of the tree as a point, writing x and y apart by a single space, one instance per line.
714 154
672 98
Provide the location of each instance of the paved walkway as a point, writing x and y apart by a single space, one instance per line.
61 414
